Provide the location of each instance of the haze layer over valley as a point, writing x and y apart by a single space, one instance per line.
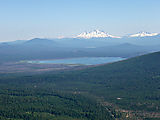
89 44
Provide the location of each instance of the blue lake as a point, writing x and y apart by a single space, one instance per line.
82 60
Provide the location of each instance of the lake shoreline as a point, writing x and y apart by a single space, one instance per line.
78 61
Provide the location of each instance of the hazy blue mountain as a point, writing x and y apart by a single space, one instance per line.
39 48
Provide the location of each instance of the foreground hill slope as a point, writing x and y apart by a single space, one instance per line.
129 88
135 81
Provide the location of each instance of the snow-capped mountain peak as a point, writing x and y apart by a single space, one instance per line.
95 34
143 34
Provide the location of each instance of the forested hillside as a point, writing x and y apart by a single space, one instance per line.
128 89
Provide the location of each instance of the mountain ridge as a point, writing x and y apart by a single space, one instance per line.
95 34
102 34
143 34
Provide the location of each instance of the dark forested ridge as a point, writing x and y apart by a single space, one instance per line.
128 89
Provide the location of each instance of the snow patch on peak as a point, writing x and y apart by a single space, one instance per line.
95 34
143 34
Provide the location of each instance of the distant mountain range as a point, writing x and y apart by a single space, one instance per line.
144 34
96 34
102 34
90 44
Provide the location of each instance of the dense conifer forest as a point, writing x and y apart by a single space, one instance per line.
128 89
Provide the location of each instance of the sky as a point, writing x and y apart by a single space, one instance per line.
27 19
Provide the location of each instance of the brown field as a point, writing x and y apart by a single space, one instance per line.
18 67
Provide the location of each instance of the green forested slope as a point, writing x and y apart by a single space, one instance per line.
132 85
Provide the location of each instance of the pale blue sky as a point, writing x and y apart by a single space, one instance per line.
26 19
